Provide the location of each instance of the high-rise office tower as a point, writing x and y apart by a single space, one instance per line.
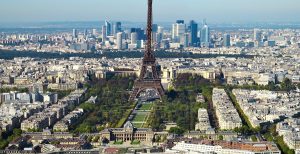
119 40
117 27
154 28
140 32
179 21
154 33
159 38
154 38
85 32
94 32
126 34
226 40
199 35
104 34
257 35
108 28
205 35
160 29
181 29
184 39
193 29
75 33
134 38
174 31
264 38
178 30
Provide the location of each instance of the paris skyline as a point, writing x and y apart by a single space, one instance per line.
167 10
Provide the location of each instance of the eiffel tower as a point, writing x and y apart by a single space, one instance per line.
149 77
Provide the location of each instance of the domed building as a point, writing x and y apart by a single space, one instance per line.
128 133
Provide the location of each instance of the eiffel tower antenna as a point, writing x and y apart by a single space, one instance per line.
146 81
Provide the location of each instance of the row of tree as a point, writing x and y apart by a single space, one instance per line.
111 105
7 137
7 54
180 105
7 90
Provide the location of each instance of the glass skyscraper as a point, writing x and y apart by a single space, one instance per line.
193 29
179 21
178 30
108 28
257 35
140 33
205 35
117 28
75 33
226 40
104 35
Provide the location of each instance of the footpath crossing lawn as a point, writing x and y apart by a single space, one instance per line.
147 106
138 125
139 120
140 117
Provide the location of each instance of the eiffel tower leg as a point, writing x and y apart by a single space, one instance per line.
141 85
143 72
160 92
155 74
134 94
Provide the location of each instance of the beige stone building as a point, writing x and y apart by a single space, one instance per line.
128 133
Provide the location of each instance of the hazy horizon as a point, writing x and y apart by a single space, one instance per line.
215 11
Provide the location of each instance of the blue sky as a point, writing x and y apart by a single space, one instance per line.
135 10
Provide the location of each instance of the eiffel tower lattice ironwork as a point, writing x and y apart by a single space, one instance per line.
148 80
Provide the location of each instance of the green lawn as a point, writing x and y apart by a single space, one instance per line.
137 125
140 118
147 106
